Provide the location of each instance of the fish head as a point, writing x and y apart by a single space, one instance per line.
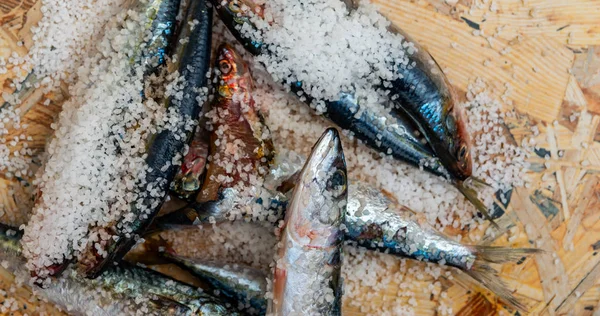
460 150
318 203
233 76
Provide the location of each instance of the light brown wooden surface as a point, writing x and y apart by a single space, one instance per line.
547 54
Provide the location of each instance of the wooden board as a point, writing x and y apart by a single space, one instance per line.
547 52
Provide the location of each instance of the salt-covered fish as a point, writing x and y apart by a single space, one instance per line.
307 270
121 290
421 102
146 49
193 59
240 144
376 221
189 178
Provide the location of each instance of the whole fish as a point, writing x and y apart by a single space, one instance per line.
120 290
244 285
240 145
307 278
431 110
378 222
193 58
148 51
424 94
398 138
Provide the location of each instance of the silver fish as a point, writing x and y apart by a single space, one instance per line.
120 290
307 273
378 222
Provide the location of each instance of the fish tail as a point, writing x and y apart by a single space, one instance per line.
503 254
471 195
487 276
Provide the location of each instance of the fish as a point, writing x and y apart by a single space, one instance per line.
189 178
423 93
123 289
243 285
377 221
398 138
446 152
192 63
306 278
240 146
149 51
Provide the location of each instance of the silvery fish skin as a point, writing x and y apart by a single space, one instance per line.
120 290
425 95
243 285
192 64
376 222
307 271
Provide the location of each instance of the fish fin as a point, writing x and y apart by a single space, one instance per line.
151 252
488 276
503 254
479 182
288 184
471 195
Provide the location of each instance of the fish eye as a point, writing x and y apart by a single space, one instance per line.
338 182
234 7
451 123
462 152
224 67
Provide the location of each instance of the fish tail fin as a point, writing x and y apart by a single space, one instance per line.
471 195
503 254
487 276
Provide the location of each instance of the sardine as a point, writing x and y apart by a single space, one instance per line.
148 51
375 221
240 146
397 138
378 222
307 271
243 285
193 58
431 110
120 290
425 95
